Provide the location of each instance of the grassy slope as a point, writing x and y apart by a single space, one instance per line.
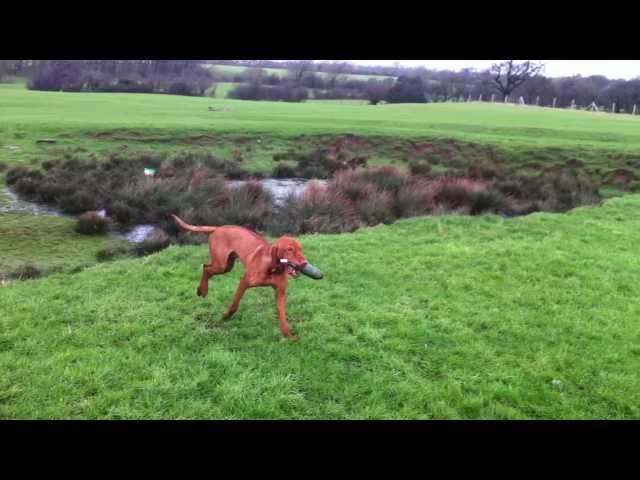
48 242
26 116
443 317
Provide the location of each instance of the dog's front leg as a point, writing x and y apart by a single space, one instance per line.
281 298
244 284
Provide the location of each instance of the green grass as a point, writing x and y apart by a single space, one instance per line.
47 242
443 317
103 122
24 111
223 88
96 124
30 113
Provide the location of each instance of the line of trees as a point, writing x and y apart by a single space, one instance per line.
179 77
288 92
14 68
301 83
419 84
339 67
439 86
306 79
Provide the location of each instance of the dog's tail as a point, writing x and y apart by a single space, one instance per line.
193 228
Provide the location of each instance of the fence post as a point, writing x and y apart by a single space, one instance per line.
506 99
537 101
469 98
613 107
554 102
634 109
573 104
522 102
493 95
480 98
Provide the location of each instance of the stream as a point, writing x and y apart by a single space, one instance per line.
14 204
280 188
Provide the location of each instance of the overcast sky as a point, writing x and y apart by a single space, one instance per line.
554 68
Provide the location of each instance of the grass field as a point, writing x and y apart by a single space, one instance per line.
477 317
534 317
100 123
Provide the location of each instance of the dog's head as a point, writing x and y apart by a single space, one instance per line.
286 254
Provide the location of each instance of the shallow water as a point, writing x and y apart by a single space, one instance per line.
137 234
12 203
280 188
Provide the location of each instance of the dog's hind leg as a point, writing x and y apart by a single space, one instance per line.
208 271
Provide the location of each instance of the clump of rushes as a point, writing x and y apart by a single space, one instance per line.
92 223
155 242
26 272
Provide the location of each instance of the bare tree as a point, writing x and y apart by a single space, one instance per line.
4 68
376 91
11 67
299 68
334 70
508 75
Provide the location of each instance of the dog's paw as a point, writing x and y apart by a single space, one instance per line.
201 293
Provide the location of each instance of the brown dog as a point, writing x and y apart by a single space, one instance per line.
262 263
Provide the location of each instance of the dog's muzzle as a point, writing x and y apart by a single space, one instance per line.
306 269
290 267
